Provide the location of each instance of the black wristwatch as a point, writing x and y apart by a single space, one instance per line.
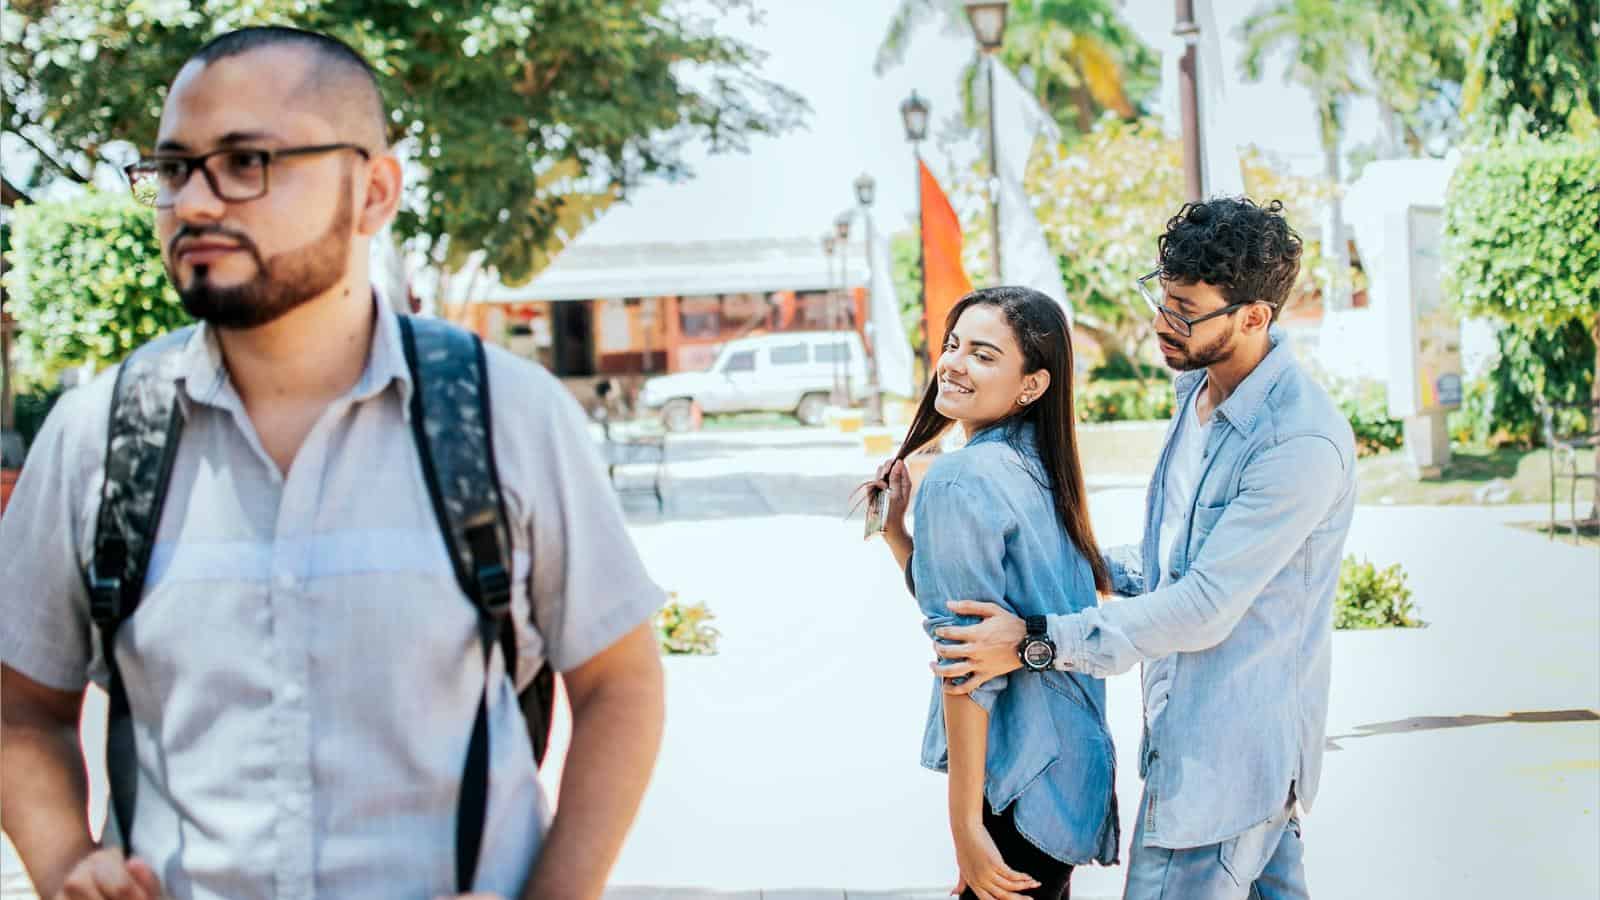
1037 651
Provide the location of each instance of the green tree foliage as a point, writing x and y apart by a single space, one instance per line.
1078 56
1535 69
86 283
1417 52
1514 250
525 118
1105 198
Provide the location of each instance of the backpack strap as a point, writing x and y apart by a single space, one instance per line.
146 422
453 431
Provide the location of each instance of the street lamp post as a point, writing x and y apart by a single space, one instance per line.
829 244
988 19
841 233
914 115
1189 97
866 189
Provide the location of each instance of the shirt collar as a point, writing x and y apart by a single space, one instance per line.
204 376
1243 406
1004 430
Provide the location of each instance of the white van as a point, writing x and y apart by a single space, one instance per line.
789 372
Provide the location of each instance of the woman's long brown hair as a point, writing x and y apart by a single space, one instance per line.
1041 331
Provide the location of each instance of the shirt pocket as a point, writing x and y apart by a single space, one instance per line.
1205 519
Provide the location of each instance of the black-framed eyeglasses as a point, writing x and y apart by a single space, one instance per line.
1180 323
235 174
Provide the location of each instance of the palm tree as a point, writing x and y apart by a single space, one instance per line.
1080 58
1324 40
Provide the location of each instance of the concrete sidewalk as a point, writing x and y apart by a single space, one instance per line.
791 758
1463 763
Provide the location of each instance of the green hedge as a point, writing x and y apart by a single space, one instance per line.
1522 233
1522 245
86 283
1118 401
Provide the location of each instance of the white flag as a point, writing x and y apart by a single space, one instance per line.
891 349
1025 258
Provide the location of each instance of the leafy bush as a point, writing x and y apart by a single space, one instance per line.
1499 408
1366 405
1121 368
684 629
86 283
1520 246
1519 242
1370 597
1117 401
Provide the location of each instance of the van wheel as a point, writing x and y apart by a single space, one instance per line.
811 409
680 415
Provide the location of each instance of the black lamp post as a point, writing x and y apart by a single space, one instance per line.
988 19
914 115
866 190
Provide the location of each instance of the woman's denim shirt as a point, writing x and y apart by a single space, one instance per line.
987 529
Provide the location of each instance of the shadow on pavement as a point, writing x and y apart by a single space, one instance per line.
1436 723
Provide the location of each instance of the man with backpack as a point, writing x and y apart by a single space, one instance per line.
323 558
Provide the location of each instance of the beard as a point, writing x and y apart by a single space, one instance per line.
282 282
1192 357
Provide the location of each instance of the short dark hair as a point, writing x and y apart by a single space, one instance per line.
336 61
1247 251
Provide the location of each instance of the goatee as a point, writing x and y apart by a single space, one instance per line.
283 282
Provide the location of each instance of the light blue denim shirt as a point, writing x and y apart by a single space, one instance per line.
1248 616
987 529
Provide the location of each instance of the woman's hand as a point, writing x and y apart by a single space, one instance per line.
982 868
892 475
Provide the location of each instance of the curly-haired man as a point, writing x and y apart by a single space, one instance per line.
1231 591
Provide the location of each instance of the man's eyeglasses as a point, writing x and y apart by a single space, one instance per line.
235 174
1180 323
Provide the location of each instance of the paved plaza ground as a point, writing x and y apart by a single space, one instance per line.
1464 758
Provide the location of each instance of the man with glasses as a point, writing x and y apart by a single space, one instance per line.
1229 598
303 671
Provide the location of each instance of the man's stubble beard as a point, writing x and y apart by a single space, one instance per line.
1218 351
281 284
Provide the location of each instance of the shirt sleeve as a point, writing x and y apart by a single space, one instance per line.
1126 569
43 601
960 555
588 586
1285 492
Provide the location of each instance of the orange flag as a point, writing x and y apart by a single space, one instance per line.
944 281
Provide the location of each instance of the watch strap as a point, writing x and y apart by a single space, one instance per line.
1038 626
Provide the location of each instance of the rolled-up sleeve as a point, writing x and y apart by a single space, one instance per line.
1285 492
1125 567
961 546
43 603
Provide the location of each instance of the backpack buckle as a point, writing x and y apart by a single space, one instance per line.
105 597
494 588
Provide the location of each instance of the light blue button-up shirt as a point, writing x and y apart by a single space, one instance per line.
987 529
1246 618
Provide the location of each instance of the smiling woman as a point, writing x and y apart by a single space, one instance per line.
1005 520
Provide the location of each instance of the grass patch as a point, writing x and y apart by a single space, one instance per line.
1524 476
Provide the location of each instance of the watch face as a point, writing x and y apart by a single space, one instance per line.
1037 654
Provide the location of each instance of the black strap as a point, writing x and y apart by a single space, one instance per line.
453 385
142 435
